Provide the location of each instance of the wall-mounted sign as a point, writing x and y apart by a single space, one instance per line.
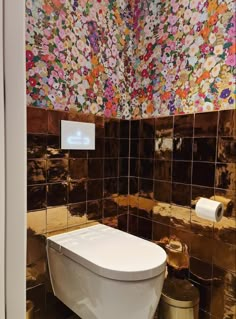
77 135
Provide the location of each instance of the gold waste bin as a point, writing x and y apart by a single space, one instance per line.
29 309
179 300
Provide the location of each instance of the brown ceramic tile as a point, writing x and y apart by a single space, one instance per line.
145 228
134 167
226 230
181 194
38 296
227 123
147 148
123 167
100 126
78 209
181 172
223 295
36 172
180 216
110 186
146 188
123 222
134 147
163 148
162 191
226 176
134 205
145 206
183 125
53 147
77 191
36 146
54 121
94 210
123 185
203 174
124 128
205 124
95 168
202 248
110 207
36 197
78 154
164 126
57 170
224 255
162 170
227 149
124 148
36 221
146 168
37 120
135 128
111 147
78 168
81 117
201 226
123 205
56 218
228 197
199 191
162 213
133 225
57 194
99 149
204 149
110 168
111 221
94 189
133 185
182 149
112 128
160 231
147 128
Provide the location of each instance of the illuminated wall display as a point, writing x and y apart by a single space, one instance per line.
77 135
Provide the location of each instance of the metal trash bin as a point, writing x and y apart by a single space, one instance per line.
179 300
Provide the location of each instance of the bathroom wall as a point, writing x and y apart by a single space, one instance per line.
70 189
173 161
184 52
130 58
78 55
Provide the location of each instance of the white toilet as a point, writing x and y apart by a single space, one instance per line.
102 273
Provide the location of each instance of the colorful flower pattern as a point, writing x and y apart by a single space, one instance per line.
184 56
78 55
133 58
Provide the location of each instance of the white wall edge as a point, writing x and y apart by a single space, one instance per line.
2 176
15 128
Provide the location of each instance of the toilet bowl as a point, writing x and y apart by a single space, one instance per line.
103 273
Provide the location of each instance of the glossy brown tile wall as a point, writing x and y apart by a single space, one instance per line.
174 161
69 189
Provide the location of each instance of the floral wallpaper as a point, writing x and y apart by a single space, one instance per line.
184 56
78 55
131 58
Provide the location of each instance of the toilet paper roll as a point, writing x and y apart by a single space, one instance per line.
209 209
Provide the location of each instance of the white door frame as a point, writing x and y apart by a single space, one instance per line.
15 158
2 176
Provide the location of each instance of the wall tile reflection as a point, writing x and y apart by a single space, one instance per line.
147 184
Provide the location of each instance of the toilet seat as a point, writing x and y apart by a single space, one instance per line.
111 253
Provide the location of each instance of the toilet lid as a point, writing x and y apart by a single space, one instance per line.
111 253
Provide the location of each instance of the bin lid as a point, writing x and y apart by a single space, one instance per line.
180 293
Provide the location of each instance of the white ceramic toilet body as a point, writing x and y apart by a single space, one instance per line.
92 294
